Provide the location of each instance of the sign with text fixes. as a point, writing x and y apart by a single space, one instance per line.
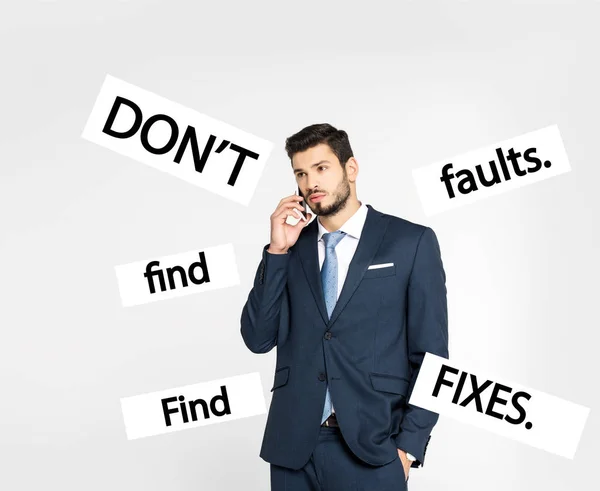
177 275
194 405
495 404
491 170
172 138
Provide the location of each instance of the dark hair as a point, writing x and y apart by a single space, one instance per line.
314 134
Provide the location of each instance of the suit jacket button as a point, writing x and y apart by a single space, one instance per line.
322 377
328 335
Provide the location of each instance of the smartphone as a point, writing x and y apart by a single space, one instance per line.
304 205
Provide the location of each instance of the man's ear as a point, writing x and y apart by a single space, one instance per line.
352 169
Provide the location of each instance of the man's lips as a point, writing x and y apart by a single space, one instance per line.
316 197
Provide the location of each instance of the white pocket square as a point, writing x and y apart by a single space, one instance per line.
383 265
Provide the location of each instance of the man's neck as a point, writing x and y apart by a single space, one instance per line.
335 222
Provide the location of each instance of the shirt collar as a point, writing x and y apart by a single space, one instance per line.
353 226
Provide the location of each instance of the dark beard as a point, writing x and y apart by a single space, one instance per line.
342 193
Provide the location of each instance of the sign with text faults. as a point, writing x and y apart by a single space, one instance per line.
491 170
191 406
500 406
177 275
172 138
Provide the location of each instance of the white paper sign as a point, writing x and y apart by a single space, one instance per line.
495 404
196 271
172 138
491 170
195 405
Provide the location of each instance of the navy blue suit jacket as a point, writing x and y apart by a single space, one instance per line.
369 352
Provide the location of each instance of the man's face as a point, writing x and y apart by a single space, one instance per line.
321 179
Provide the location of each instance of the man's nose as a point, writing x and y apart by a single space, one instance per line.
312 185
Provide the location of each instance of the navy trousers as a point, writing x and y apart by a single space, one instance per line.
333 467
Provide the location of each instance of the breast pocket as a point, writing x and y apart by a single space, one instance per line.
380 272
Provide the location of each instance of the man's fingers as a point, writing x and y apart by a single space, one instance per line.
301 223
284 213
299 213
287 206
290 198
308 217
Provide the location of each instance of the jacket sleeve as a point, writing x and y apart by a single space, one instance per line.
427 330
261 313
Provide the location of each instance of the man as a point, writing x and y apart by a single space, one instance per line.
353 300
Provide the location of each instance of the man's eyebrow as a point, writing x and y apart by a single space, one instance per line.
314 165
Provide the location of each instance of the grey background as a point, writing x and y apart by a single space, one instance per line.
412 83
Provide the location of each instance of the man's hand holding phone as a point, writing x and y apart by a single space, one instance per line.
284 235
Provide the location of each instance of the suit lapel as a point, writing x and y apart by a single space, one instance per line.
370 238
309 258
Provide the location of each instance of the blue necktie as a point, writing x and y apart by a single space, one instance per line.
329 280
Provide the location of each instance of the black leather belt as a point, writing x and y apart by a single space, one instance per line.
331 421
